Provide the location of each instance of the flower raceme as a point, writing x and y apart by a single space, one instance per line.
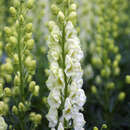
66 98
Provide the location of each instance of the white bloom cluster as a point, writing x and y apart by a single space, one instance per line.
66 97
76 96
3 125
55 81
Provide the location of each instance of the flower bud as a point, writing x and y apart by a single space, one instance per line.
29 27
98 79
32 115
37 119
30 44
8 68
15 110
7 31
94 89
73 16
3 125
7 92
13 40
17 80
54 9
15 91
61 16
30 64
21 19
32 86
16 59
73 7
110 85
36 90
21 107
104 126
116 71
12 11
121 96
51 25
128 79
30 4
28 36
3 108
95 128
8 78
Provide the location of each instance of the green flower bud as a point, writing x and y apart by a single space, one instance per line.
28 36
9 68
29 27
7 31
30 4
36 90
128 79
16 59
32 86
15 91
13 40
21 19
121 96
104 126
54 9
37 119
29 78
51 25
17 80
96 61
30 44
29 63
12 11
94 89
118 57
116 71
44 100
32 115
61 16
7 92
21 107
3 108
110 85
15 110
95 128
98 79
8 77
73 7
73 16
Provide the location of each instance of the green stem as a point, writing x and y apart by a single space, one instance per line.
20 62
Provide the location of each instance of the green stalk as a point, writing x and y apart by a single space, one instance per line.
20 61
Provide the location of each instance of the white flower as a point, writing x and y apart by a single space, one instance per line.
78 98
52 116
73 69
60 127
78 121
70 31
67 110
54 98
3 125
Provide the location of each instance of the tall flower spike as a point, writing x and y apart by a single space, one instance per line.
66 98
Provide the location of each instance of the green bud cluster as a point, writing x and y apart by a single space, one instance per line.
19 68
35 118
